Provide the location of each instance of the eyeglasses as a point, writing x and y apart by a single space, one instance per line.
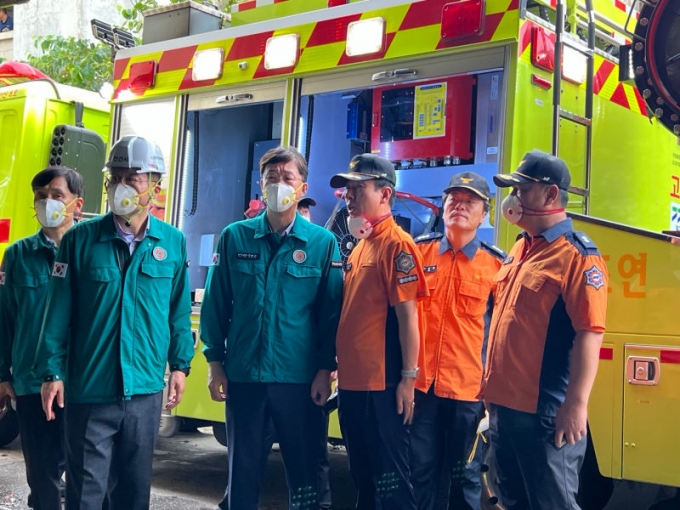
129 180
272 177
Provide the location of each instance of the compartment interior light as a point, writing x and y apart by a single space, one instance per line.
207 64
282 51
365 37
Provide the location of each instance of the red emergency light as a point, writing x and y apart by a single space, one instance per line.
143 75
543 49
4 230
461 19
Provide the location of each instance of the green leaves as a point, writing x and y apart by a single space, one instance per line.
72 61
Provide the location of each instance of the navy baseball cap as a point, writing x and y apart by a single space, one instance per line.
537 166
306 202
470 181
365 167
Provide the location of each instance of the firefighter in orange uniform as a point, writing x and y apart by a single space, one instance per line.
459 270
544 341
378 338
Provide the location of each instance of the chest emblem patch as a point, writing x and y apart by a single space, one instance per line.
594 277
60 270
299 256
404 263
159 253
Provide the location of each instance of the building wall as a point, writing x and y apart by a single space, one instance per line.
6 40
67 18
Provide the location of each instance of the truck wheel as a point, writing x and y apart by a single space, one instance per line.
220 432
169 425
9 425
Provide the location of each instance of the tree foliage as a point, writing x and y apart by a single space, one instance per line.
71 61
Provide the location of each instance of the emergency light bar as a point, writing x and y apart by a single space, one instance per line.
207 64
282 51
102 31
365 37
123 39
114 37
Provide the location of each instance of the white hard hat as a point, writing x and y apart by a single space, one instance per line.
136 153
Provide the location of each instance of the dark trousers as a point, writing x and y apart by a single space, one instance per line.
324 473
444 432
533 473
299 425
42 443
378 448
110 451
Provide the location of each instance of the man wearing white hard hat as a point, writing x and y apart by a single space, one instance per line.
118 310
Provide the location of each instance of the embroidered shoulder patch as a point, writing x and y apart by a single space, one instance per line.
216 259
508 260
2 277
594 277
59 269
404 262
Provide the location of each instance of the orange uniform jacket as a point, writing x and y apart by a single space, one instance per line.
547 289
456 316
382 271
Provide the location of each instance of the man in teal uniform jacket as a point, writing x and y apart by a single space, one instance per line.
24 278
268 322
118 310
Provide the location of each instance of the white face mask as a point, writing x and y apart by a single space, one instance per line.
279 196
51 213
359 227
123 199
512 209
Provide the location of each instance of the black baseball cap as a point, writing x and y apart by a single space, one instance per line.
537 166
365 167
306 202
470 181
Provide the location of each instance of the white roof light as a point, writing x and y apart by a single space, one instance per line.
207 64
574 65
365 37
282 51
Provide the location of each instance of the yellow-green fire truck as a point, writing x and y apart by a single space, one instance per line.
439 87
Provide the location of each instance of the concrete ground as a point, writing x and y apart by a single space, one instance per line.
189 473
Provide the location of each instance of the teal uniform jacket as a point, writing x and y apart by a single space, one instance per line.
24 278
271 307
112 320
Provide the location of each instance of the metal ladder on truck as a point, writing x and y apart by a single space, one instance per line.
560 113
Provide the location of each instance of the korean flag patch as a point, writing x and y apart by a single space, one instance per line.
216 259
60 269
2 277
594 277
